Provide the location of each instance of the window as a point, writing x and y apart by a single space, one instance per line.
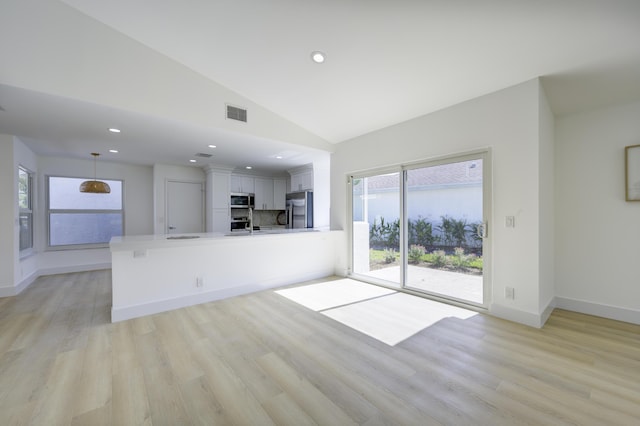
25 206
82 219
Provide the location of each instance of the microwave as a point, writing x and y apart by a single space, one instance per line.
242 200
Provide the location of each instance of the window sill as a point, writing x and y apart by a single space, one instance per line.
78 247
24 254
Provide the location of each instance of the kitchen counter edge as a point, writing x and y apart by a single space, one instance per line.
138 242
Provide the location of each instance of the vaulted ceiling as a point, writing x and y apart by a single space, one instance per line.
165 69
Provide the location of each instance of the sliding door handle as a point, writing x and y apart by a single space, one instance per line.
481 230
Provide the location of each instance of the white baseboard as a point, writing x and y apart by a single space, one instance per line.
548 311
8 291
531 319
74 268
598 309
158 306
155 307
523 317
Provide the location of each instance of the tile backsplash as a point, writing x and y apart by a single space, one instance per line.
267 217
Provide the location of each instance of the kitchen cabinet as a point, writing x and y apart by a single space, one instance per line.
218 216
302 181
221 220
219 185
264 194
242 183
279 194
270 193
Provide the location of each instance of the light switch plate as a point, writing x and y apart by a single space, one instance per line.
510 221
509 293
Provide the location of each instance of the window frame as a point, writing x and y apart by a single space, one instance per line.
486 155
49 211
24 252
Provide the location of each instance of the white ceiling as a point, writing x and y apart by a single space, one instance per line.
387 61
57 126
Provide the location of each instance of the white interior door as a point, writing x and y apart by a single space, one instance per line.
185 202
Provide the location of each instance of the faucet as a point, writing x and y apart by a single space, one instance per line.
250 220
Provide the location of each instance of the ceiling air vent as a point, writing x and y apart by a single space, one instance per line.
235 113
203 155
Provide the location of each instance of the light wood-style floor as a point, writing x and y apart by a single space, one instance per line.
262 359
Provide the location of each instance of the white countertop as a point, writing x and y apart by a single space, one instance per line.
140 242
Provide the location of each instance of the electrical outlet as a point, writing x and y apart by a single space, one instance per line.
139 253
199 282
509 293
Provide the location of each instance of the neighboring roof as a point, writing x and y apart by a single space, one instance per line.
465 172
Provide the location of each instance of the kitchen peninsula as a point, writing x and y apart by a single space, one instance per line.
157 273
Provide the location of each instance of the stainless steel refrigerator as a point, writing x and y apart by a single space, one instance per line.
300 210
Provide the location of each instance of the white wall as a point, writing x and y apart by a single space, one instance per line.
225 266
547 207
161 174
508 122
15 272
598 232
7 212
322 192
26 267
461 202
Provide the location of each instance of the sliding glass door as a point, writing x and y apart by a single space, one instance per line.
445 224
376 227
423 228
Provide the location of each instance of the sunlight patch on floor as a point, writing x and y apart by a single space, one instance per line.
395 317
331 294
385 315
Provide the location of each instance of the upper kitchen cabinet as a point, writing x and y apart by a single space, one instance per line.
279 194
264 194
242 183
270 193
302 178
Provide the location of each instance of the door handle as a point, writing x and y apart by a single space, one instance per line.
172 227
481 230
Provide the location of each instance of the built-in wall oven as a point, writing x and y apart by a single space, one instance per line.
239 223
242 200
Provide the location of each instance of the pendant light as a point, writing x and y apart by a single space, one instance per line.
95 186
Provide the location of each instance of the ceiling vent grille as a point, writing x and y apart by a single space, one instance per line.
235 113
203 155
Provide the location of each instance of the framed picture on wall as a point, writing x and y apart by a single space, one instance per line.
632 172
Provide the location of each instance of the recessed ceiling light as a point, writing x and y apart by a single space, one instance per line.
192 161
248 167
212 146
114 130
114 151
317 57
279 157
